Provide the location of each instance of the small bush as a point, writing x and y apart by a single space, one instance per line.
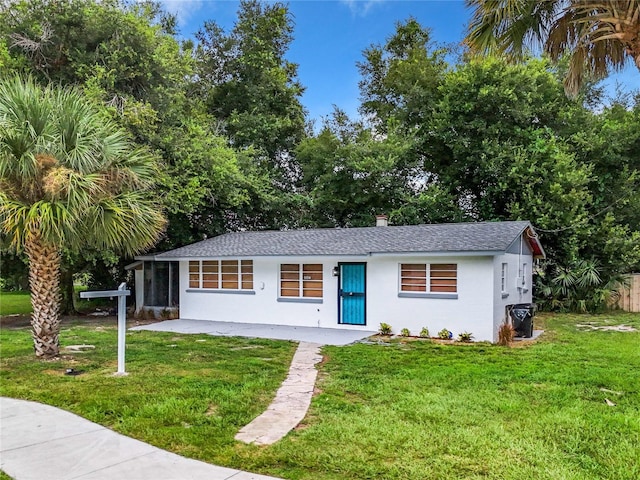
424 333
385 329
169 314
465 337
405 332
506 332
445 334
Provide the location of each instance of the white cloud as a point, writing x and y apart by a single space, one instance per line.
361 7
184 10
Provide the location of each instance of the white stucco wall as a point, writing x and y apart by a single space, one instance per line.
262 306
473 311
470 312
516 292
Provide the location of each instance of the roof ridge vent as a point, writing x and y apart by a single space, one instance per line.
382 221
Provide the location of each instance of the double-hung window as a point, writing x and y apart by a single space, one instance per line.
221 274
425 278
301 280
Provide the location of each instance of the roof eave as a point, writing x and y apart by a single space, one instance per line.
145 258
134 265
534 242
442 253
439 253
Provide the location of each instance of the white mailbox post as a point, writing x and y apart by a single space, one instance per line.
121 293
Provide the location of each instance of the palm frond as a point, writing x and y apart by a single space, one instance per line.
599 36
71 168
508 26
128 223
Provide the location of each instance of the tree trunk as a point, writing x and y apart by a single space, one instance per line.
44 282
67 291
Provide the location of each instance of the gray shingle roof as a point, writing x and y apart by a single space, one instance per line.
441 238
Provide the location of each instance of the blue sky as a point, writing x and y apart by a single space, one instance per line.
330 36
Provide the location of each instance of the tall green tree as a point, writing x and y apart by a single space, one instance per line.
124 50
69 178
598 35
351 174
250 87
610 145
400 78
124 56
492 143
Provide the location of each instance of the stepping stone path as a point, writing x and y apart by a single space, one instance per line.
291 402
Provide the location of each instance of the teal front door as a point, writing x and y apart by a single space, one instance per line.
352 294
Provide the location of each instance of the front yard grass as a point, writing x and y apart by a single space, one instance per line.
411 410
15 303
186 393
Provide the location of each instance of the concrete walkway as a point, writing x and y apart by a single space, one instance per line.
292 400
42 442
322 336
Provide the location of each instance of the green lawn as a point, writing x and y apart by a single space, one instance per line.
186 393
15 303
19 303
412 410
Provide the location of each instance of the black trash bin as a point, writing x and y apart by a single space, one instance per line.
522 319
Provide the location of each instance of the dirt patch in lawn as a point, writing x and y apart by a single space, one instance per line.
24 321
610 328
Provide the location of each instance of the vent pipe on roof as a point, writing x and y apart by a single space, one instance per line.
382 221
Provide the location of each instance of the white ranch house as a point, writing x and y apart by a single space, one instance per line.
459 276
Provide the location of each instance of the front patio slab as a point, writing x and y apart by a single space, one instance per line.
536 334
321 336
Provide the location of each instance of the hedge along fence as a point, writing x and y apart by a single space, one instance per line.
630 295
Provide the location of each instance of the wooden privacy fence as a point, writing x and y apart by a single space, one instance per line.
630 295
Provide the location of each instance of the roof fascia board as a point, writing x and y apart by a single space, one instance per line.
529 240
249 257
481 253
133 265
466 253
537 240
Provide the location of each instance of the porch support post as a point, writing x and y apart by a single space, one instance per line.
122 327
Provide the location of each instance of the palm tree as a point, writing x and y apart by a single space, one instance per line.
598 35
69 178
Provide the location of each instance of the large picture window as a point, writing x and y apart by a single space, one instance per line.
428 277
221 274
301 280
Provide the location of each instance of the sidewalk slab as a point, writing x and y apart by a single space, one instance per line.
160 465
39 441
33 428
